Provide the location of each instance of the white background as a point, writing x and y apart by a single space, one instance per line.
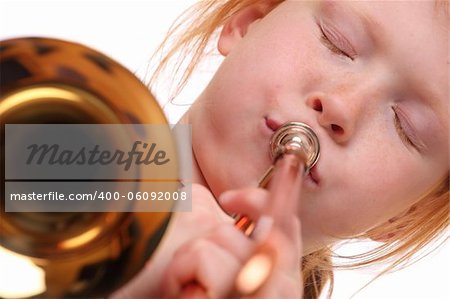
129 31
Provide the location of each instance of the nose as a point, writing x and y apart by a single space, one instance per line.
334 115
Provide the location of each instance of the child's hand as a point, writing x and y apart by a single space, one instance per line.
184 226
210 267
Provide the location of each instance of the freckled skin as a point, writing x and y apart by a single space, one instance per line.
280 68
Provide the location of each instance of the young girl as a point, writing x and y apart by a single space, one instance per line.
371 79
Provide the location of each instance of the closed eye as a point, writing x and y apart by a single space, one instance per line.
335 42
405 135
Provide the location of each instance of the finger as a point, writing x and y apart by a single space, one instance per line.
204 263
285 189
203 218
274 263
286 249
193 291
249 202
233 241
279 250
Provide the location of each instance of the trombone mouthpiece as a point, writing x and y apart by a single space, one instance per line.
292 138
296 138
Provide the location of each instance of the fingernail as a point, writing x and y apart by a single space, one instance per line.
225 197
294 163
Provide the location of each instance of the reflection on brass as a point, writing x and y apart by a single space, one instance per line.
254 273
291 138
296 138
49 81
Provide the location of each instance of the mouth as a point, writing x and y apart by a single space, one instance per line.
313 176
272 124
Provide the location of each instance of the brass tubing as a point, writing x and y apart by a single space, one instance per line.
291 138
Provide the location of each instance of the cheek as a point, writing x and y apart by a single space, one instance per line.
369 190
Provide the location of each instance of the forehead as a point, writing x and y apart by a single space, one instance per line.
432 9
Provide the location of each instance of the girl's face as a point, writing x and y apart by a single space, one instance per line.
371 78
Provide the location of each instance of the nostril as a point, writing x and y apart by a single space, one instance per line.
317 105
337 129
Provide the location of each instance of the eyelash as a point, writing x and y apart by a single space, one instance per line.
330 45
397 122
401 131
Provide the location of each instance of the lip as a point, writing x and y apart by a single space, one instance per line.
272 124
314 176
